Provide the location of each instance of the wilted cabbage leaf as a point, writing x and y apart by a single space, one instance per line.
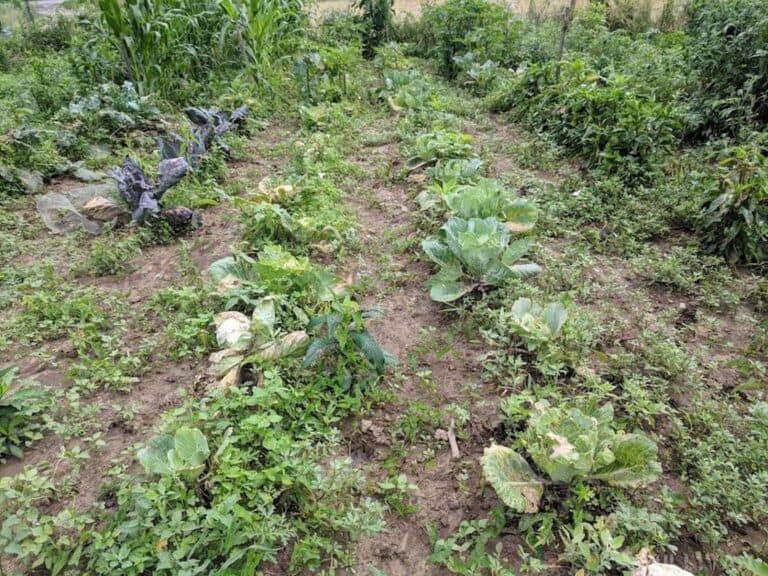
512 478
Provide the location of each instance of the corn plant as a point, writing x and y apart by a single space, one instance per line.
376 17
262 26
163 43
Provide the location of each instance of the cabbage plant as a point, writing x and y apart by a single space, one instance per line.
569 445
474 254
182 455
537 325
489 198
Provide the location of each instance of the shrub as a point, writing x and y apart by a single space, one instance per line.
50 83
728 49
376 18
734 211
603 120
632 15
460 26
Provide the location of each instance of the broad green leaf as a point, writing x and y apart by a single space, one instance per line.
221 268
263 318
227 363
438 252
516 250
512 478
555 316
317 349
190 451
154 457
521 307
635 462
238 266
370 349
525 270
449 291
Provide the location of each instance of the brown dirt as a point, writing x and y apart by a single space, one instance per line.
163 381
449 490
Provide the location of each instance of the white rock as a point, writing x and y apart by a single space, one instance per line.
657 569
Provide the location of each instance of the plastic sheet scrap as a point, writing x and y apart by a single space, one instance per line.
63 213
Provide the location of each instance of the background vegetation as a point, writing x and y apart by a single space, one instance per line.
607 264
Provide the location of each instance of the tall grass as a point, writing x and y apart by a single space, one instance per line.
165 45
263 28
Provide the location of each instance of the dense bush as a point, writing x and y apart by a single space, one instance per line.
460 26
376 20
603 120
729 49
734 194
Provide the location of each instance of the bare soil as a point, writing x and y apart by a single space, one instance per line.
418 332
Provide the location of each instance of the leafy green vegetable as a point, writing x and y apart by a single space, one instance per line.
489 198
570 444
431 147
252 343
535 324
276 271
459 171
182 455
473 254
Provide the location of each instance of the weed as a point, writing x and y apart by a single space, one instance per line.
465 551
107 258
20 414
396 491
417 424
188 319
344 346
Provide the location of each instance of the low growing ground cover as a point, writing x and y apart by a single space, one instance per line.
456 304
